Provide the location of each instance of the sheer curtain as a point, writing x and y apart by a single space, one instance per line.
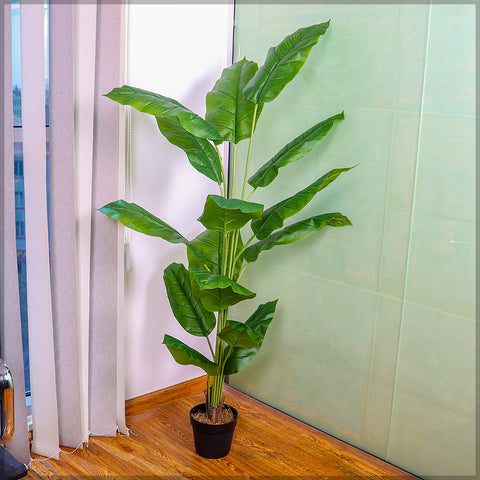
73 266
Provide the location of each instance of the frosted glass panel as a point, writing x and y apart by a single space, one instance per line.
373 338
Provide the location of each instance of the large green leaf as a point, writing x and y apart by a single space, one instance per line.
273 218
137 218
259 321
282 63
217 292
185 355
164 107
200 152
293 151
240 335
210 246
227 109
294 233
186 307
227 214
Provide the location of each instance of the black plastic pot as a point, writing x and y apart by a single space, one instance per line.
212 441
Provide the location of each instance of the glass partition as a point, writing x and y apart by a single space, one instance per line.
374 336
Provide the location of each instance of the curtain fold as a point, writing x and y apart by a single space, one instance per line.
10 324
73 260
103 386
39 299
63 247
85 25
84 136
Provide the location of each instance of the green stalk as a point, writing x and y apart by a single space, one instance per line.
214 397
225 360
242 270
251 193
233 249
226 242
218 380
210 345
249 151
243 249
234 161
223 191
217 386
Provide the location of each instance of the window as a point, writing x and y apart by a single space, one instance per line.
20 226
20 231
19 199
18 167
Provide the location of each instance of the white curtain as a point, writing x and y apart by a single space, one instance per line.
10 326
73 267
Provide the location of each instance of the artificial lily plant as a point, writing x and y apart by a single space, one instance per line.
200 295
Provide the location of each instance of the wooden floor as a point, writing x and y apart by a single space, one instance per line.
266 444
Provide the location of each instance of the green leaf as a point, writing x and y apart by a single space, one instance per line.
210 246
216 291
227 109
185 355
227 214
282 63
293 151
294 233
164 107
200 152
259 321
187 308
137 218
272 219
240 335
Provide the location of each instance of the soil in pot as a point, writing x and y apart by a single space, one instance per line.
225 417
212 440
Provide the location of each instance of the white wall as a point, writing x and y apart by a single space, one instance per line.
178 51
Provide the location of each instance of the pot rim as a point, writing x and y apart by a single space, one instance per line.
202 407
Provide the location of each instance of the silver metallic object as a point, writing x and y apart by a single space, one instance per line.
7 422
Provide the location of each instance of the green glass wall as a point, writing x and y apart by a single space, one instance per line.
374 337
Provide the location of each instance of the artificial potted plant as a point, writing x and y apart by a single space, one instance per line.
200 295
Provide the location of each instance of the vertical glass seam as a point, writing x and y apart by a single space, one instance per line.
382 245
410 234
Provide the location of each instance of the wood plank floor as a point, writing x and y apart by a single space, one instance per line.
266 444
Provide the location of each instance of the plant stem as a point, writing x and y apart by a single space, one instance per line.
224 191
225 360
249 151
217 386
243 249
242 270
233 249
210 345
226 242
234 161
217 390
